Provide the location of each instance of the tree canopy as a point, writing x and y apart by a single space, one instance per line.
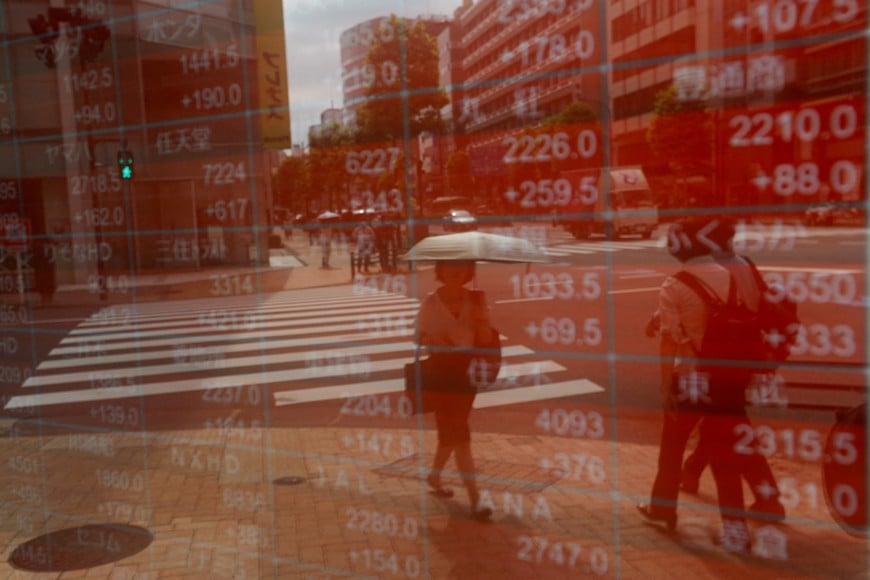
404 84
681 131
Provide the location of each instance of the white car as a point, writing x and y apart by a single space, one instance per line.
459 220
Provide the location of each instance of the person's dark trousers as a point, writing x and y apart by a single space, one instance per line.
755 469
720 434
676 429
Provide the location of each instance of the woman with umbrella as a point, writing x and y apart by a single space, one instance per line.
452 320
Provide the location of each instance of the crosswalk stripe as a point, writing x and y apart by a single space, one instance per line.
253 361
292 347
222 382
255 320
218 349
297 327
536 393
99 320
162 340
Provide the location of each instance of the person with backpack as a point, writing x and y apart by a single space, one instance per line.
709 338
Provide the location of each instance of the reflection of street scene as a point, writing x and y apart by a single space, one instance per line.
280 281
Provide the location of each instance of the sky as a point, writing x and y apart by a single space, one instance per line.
313 29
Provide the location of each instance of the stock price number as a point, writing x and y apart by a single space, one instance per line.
560 286
384 201
576 466
822 340
231 284
211 98
249 395
788 179
226 320
382 524
104 217
814 287
547 147
540 550
227 173
392 283
788 16
554 193
372 161
511 11
116 415
197 61
555 48
380 444
99 113
369 75
229 210
563 331
10 314
89 80
807 125
803 444
376 406
99 284
103 183
358 366
384 325
382 561
120 480
574 423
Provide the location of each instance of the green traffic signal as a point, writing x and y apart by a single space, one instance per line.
125 163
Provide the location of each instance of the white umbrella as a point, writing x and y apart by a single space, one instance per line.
476 246
328 215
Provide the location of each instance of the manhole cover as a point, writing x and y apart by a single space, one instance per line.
78 548
289 480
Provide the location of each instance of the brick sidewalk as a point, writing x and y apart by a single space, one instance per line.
208 498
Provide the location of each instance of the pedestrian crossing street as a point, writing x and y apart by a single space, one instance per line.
307 345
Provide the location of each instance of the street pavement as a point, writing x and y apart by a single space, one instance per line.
239 489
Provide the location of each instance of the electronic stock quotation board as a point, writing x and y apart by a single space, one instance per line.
207 302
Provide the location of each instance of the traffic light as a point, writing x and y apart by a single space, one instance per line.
125 164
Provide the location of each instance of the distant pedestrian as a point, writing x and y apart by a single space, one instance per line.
364 247
325 245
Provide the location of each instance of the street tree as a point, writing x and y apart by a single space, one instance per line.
292 184
327 157
404 85
681 134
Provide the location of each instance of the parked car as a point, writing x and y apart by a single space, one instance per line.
459 220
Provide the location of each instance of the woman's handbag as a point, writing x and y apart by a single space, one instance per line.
418 382
485 361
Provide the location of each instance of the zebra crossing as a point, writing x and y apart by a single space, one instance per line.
559 247
561 243
306 345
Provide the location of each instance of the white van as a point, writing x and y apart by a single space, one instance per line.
634 207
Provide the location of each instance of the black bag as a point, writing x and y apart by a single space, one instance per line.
485 362
420 401
732 342
778 319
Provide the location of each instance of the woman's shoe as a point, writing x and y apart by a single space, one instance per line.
437 490
650 516
481 514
